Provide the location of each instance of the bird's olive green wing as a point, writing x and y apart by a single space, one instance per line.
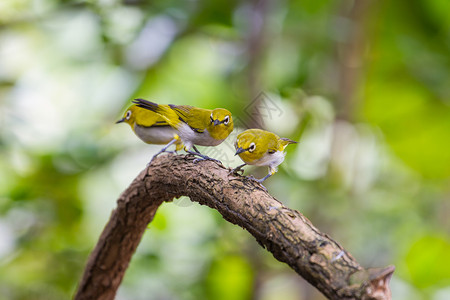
196 118
163 110
272 142
147 118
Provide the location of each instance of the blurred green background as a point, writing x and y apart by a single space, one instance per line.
364 85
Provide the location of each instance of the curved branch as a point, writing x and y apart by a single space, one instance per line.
286 233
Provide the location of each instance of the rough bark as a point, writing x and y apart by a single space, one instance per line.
286 233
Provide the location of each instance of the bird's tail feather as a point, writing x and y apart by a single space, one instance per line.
146 104
285 141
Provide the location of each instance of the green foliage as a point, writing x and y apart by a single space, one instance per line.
425 259
229 277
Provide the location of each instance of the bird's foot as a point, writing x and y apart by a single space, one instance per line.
204 157
160 152
238 170
260 181
164 149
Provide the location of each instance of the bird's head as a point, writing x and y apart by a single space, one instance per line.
252 144
129 116
220 123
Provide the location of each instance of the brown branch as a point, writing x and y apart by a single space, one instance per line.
286 233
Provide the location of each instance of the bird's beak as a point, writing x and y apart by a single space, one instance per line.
216 122
240 150
120 121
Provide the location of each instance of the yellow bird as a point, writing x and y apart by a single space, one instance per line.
150 127
194 126
261 148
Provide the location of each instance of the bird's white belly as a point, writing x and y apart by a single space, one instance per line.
155 135
271 160
190 137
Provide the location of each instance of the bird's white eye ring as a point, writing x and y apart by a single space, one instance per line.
128 115
226 120
252 147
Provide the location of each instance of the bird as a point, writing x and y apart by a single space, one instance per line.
150 127
194 126
261 148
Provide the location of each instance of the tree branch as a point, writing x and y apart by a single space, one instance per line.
286 233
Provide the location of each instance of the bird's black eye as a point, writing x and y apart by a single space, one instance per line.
226 120
211 118
128 115
252 147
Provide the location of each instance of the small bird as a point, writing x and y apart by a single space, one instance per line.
261 148
150 127
194 126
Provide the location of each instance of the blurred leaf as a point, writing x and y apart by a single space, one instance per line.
159 222
230 277
428 261
413 123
